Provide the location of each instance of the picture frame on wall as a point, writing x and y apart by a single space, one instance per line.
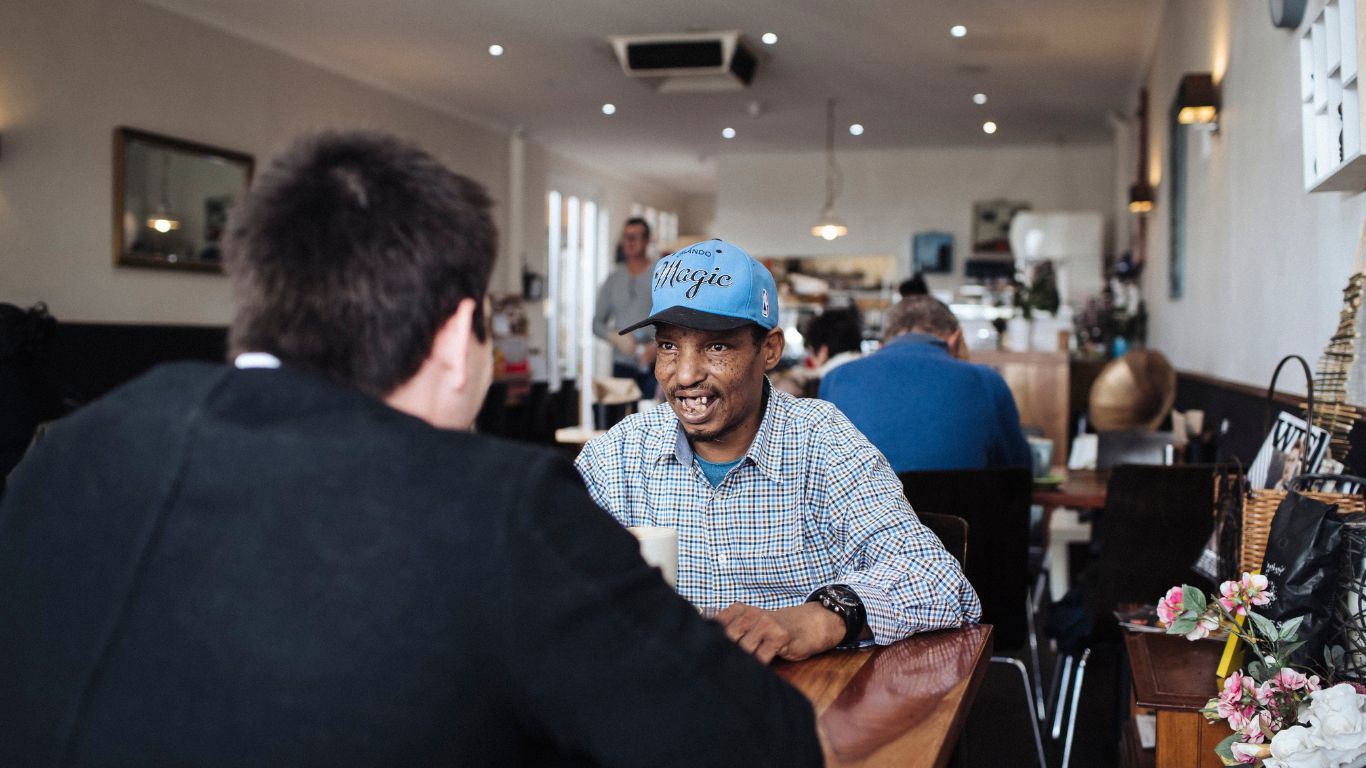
932 252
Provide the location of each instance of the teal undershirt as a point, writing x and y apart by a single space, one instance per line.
715 472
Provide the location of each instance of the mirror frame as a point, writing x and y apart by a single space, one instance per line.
122 135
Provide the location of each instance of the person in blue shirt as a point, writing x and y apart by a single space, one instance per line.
921 403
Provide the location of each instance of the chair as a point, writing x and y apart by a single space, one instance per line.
1157 520
952 531
994 503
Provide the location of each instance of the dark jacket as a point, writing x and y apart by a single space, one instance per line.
222 567
925 409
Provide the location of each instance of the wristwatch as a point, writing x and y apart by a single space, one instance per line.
845 603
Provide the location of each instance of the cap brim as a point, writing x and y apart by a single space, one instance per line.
686 317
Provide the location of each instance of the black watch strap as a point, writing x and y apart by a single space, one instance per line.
843 601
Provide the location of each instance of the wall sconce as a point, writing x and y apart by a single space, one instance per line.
1198 101
1141 197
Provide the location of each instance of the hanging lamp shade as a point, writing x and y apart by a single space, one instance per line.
829 225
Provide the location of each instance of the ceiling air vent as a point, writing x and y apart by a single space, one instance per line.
691 61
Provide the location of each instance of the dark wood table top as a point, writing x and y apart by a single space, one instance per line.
1171 672
1083 489
903 704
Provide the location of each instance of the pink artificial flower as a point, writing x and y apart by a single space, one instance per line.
1255 589
1231 597
1258 729
1169 607
1290 680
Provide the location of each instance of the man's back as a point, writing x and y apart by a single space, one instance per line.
926 410
259 567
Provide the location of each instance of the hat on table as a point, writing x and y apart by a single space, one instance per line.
711 286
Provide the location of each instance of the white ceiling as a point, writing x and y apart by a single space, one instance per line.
1052 69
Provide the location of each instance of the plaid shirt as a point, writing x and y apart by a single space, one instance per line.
812 503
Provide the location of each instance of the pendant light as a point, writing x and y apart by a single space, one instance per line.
830 226
161 219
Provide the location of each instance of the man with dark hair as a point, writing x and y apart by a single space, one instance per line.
623 296
305 559
789 523
914 285
921 403
833 338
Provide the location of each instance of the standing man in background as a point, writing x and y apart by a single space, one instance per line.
625 297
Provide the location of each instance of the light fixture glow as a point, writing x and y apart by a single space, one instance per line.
1198 100
769 38
988 127
727 133
856 129
979 99
958 30
162 223
495 50
830 226
609 109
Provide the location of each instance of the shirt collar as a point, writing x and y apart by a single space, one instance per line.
915 337
763 451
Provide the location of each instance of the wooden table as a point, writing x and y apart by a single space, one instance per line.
1083 489
1176 677
903 704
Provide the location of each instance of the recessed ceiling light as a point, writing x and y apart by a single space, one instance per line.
769 38
958 30
727 133
856 129
495 50
979 98
988 127
609 109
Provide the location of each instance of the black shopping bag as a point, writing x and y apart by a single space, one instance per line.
1302 567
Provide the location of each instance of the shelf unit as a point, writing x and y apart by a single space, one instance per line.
1331 98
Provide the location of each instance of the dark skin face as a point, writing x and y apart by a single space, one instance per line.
714 381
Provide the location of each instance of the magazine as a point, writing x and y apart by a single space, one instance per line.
1291 449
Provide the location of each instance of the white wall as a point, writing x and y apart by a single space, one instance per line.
1266 262
767 202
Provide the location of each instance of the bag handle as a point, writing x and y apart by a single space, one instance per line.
1309 382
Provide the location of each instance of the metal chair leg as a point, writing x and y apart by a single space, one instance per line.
1060 706
1072 717
1029 699
1039 713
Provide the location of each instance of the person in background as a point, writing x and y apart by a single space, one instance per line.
789 522
625 295
921 404
914 285
306 557
833 338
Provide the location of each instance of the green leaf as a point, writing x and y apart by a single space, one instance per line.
1181 626
1286 650
1192 599
1254 670
1290 629
1224 749
1266 628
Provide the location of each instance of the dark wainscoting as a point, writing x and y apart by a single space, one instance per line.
1245 408
89 359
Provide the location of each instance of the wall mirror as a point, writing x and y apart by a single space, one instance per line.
171 200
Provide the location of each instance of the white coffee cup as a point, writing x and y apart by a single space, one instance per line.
659 547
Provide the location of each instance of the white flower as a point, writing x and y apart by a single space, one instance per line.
1294 747
1337 721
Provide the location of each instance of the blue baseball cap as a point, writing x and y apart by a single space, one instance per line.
711 286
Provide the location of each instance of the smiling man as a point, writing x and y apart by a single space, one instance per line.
790 523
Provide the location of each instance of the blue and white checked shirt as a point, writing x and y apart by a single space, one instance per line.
812 503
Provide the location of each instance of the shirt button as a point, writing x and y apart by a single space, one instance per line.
721 558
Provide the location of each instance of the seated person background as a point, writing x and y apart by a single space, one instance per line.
922 406
307 559
786 516
832 338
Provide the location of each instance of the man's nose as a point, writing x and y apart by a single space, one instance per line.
690 370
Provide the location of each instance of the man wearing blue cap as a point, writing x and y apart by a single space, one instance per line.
790 523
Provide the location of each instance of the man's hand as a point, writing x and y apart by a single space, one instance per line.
793 633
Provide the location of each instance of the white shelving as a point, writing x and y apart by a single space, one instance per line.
1331 112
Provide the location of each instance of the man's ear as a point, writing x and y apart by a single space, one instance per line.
772 348
957 346
451 347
